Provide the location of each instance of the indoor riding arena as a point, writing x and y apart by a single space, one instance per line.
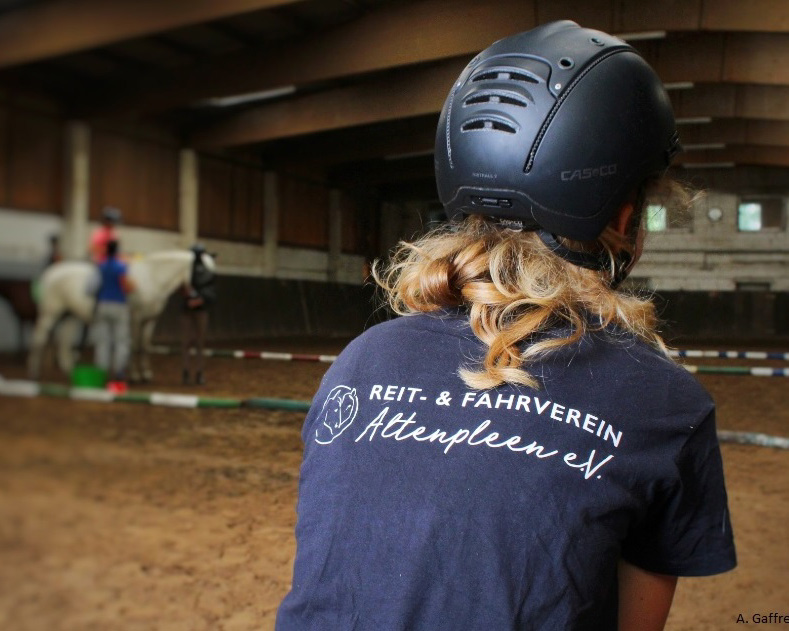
284 146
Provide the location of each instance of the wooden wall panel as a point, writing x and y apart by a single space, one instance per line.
33 162
158 186
137 175
247 215
111 179
352 241
360 223
304 213
4 175
216 184
230 200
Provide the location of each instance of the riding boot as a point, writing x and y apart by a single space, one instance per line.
185 377
199 380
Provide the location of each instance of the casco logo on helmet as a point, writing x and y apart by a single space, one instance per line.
588 173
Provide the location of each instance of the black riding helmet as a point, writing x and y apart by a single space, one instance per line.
554 128
111 214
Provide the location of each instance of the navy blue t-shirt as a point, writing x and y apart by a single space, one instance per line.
425 505
111 289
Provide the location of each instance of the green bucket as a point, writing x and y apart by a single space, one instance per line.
88 376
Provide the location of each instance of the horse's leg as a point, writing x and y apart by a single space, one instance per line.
135 372
66 335
44 324
146 337
20 336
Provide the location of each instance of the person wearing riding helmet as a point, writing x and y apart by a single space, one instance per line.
197 297
517 451
104 233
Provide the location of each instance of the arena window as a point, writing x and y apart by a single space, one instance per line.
760 213
661 218
657 218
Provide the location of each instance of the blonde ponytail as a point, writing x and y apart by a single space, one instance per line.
514 289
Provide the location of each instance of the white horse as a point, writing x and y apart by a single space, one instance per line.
65 290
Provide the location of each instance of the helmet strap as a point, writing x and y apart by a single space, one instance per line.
623 263
598 261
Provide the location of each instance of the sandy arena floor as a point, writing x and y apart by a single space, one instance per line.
121 517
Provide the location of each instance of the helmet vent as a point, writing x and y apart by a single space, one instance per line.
488 124
503 74
505 98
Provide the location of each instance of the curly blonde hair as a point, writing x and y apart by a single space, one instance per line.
514 290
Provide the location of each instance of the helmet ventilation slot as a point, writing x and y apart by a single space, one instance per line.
503 74
488 124
504 98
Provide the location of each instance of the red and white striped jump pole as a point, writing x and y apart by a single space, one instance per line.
696 354
754 371
247 354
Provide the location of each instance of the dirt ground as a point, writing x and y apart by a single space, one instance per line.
132 517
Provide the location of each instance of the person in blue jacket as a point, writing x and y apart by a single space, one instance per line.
517 451
111 324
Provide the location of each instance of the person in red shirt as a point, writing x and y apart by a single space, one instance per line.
102 235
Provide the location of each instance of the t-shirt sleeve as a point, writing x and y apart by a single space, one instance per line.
686 530
98 243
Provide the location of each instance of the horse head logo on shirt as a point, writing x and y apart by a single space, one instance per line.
337 414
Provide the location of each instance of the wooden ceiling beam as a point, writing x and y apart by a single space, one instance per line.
615 16
392 139
416 92
760 58
739 131
397 35
43 30
415 137
757 58
763 102
422 90
736 15
739 154
699 58
741 179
